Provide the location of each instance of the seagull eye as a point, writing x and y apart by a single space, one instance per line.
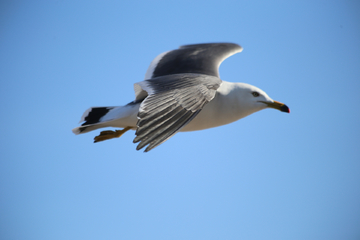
255 94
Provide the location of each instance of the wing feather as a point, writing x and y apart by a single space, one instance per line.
172 102
196 58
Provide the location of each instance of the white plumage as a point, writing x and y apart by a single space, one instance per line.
182 91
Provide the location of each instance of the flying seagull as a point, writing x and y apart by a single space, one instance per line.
182 91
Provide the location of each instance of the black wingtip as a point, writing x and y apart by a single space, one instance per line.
95 114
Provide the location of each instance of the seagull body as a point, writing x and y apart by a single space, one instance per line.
182 91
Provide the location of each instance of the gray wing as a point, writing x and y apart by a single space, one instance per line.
197 58
172 102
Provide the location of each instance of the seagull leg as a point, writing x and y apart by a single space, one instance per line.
106 135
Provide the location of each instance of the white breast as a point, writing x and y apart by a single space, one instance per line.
225 108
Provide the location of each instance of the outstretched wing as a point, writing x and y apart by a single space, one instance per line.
197 58
172 102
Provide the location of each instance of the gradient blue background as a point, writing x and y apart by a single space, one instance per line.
269 176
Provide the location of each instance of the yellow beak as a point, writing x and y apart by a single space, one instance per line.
277 105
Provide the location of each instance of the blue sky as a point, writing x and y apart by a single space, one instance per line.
268 176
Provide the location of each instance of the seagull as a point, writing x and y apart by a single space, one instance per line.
182 91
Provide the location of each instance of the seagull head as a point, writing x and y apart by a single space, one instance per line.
257 99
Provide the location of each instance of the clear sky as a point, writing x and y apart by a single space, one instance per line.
268 176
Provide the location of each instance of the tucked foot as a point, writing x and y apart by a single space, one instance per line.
106 135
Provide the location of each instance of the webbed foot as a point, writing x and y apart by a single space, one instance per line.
106 135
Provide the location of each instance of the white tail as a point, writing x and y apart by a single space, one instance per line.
100 117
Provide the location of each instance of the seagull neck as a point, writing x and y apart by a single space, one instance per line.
226 87
230 97
226 107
